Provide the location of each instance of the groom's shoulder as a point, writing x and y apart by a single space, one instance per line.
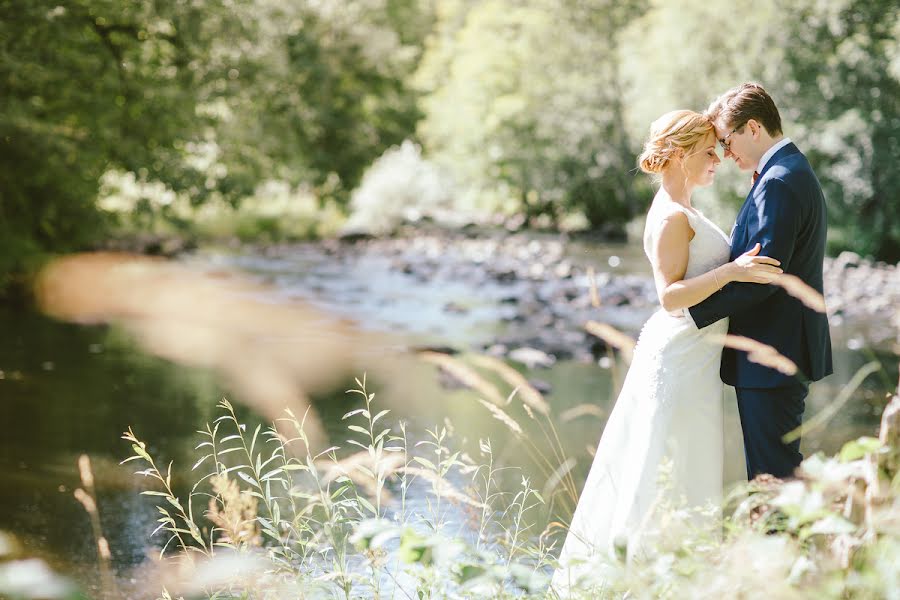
792 174
792 160
792 169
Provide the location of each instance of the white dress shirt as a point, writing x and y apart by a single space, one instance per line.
763 160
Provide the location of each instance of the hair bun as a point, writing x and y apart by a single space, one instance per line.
655 157
673 131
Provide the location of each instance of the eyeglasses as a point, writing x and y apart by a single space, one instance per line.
726 145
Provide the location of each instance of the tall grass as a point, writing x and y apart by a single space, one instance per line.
340 523
394 513
343 523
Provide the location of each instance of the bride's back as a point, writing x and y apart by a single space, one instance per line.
709 247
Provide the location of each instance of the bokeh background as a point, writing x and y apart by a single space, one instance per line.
446 174
165 116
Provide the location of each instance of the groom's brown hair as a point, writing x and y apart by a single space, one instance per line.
747 101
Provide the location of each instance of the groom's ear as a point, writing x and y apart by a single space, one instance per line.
755 128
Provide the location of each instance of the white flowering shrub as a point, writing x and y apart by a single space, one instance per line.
400 186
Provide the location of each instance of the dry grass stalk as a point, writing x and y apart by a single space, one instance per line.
361 468
441 486
527 392
592 282
757 352
233 512
501 416
797 288
249 570
273 354
529 412
88 499
826 414
85 472
888 463
90 507
465 375
854 509
558 476
889 433
582 410
613 337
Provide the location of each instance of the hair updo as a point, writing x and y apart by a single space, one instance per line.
674 131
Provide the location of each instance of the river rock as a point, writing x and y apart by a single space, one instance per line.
505 275
543 295
847 260
541 386
455 308
355 235
496 350
532 357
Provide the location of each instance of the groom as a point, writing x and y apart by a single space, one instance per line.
785 213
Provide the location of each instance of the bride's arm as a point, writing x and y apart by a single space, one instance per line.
670 259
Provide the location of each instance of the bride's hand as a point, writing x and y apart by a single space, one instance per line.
751 268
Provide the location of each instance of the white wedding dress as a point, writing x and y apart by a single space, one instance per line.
668 417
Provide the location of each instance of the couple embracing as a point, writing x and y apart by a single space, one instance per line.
665 435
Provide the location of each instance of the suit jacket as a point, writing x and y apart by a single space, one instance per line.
785 212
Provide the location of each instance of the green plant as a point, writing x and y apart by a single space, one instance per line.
329 524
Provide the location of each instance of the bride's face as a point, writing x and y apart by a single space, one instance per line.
700 165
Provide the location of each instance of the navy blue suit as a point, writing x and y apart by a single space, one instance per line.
785 212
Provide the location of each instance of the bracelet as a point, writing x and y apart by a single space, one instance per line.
716 277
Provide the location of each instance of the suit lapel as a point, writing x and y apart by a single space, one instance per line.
787 150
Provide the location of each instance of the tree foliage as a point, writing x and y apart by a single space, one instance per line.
544 103
527 96
88 86
843 62
208 97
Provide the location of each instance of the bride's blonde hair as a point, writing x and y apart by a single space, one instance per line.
674 131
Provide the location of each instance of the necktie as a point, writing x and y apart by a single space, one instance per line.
755 177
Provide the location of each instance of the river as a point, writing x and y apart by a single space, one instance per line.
68 389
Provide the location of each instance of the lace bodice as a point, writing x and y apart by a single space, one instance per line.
708 249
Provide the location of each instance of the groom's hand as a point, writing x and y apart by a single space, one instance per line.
749 267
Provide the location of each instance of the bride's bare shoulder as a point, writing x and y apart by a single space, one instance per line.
666 217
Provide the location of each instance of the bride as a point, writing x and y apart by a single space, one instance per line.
668 417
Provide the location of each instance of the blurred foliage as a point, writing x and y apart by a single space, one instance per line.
89 85
350 522
551 102
325 94
843 62
540 106
527 96
208 98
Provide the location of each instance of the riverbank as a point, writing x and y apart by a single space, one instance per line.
541 285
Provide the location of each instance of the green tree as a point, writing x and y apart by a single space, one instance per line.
328 93
683 54
524 98
90 86
208 97
845 59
